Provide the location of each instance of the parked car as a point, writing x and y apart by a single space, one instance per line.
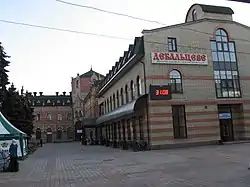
4 160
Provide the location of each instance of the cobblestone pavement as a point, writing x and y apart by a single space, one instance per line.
74 165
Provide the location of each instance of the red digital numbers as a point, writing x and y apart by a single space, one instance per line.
161 92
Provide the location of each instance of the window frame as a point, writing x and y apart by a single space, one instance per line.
172 44
174 83
222 65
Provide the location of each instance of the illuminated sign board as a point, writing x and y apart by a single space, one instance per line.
160 92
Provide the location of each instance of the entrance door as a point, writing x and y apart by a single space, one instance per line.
49 137
226 130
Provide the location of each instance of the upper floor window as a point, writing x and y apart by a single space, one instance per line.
105 105
117 98
108 105
226 74
114 101
122 98
111 104
176 81
38 117
172 44
76 114
69 116
48 116
59 117
132 90
126 93
138 85
77 83
194 15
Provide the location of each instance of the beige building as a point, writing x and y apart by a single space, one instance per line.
194 89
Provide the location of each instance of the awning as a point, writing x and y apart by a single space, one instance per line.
89 122
120 112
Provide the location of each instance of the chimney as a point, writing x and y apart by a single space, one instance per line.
34 93
41 93
64 93
78 74
70 93
57 93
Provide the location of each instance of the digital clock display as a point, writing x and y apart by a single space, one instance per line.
160 92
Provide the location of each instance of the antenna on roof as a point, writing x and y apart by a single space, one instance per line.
91 68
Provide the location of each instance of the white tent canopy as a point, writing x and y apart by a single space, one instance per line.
9 132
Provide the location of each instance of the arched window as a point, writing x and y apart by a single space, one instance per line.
126 93
69 116
114 103
132 89
194 15
117 98
108 105
111 103
77 83
122 97
49 117
225 66
76 114
176 81
138 85
59 117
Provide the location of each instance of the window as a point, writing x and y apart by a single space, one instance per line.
179 121
117 98
114 101
38 117
176 81
126 93
69 116
48 116
226 74
132 90
122 98
77 84
111 104
194 15
105 105
59 117
138 85
172 44
108 105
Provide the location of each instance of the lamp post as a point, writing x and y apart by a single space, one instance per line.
145 91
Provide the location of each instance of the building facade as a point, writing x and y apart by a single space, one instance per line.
53 116
180 85
91 112
80 89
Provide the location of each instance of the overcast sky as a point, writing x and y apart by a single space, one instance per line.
45 60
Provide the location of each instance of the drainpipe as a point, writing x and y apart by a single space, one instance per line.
145 90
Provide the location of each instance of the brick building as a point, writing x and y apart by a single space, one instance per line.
81 85
91 112
53 116
181 84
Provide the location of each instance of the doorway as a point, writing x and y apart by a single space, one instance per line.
226 123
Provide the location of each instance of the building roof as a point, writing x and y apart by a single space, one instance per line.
90 73
50 100
215 9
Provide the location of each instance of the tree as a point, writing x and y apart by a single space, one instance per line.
18 110
4 80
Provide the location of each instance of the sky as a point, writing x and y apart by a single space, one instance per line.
45 60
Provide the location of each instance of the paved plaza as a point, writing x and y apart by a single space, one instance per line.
74 165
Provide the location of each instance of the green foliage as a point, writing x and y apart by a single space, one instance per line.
4 80
18 110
